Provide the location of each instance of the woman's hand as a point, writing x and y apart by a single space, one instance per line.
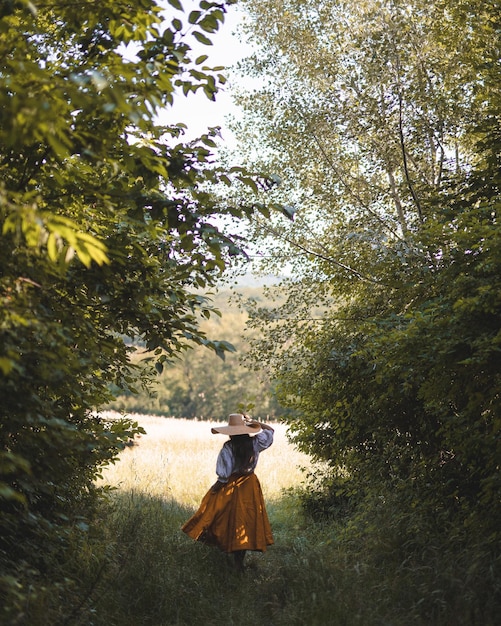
251 422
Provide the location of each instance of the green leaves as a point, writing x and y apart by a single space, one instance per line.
88 248
201 38
194 17
386 341
208 20
221 348
107 231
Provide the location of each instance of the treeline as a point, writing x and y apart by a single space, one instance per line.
198 383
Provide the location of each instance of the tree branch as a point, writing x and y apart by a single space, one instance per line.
321 256
404 154
347 186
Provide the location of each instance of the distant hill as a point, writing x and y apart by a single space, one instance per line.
251 280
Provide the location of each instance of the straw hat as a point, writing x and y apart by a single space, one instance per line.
237 425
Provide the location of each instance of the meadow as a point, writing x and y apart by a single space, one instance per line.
176 461
319 572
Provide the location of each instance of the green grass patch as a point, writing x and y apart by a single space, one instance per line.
316 574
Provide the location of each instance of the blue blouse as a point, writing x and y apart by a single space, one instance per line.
225 461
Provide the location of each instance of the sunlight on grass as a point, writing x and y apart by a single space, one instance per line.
176 460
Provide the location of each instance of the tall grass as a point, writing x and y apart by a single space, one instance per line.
176 460
138 568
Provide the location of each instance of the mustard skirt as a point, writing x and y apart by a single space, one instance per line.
233 518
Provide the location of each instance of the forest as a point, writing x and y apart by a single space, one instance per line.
367 177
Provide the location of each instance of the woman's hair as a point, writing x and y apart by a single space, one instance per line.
243 452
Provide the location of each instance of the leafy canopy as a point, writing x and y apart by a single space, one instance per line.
383 117
107 232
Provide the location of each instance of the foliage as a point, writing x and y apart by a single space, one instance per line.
107 232
385 118
361 108
200 385
316 573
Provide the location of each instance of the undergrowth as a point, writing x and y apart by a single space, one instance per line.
140 569
340 557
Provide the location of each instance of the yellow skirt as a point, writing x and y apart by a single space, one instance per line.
233 518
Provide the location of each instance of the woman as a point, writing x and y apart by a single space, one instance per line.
232 515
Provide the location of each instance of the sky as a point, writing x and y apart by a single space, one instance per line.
196 110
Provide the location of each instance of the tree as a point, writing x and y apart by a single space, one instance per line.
384 118
371 99
107 231
199 384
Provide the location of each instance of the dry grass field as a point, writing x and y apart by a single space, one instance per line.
176 460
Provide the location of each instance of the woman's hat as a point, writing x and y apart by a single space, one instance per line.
237 426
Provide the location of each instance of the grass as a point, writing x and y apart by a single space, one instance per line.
146 572
176 461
